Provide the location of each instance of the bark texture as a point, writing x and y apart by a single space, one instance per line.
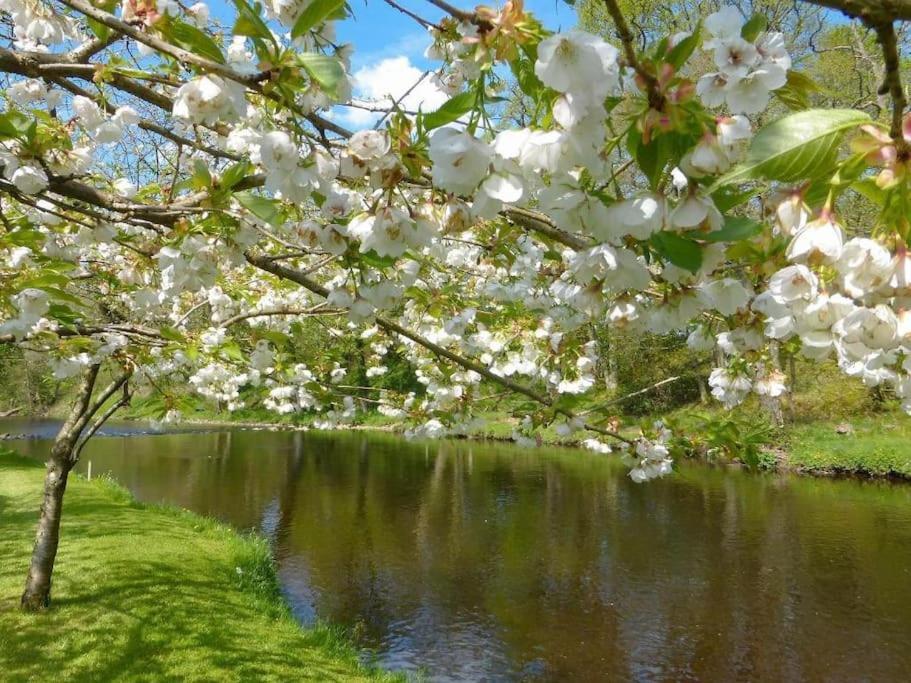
37 594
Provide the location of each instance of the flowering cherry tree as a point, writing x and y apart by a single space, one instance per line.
177 195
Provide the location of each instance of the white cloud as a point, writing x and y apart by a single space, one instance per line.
387 81
411 45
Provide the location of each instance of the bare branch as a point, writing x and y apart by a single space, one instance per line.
122 402
532 220
892 84
871 11
655 98
407 12
103 398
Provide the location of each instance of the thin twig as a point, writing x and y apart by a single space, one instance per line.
407 12
303 313
655 98
892 84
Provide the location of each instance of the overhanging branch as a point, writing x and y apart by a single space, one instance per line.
872 11
264 263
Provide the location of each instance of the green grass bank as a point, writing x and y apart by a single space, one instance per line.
148 593
865 444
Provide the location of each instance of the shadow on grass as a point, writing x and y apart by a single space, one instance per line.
156 623
146 594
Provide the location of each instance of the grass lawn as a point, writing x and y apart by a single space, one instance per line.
149 594
878 445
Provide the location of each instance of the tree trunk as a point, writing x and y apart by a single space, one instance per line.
773 403
37 595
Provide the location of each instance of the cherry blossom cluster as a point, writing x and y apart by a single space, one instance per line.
748 70
480 251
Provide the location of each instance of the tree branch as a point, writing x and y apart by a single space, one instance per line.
892 84
871 11
622 399
272 312
536 222
286 273
252 81
655 98
181 55
106 394
418 18
72 427
122 402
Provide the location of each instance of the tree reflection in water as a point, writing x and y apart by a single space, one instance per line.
473 560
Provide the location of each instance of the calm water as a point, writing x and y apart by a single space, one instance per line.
476 562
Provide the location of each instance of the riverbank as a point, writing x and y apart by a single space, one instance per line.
150 593
828 432
872 444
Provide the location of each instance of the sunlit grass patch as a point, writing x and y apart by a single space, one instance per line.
149 593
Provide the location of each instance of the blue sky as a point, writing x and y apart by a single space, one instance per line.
389 49
389 52
377 30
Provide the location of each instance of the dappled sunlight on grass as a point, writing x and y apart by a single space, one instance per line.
148 593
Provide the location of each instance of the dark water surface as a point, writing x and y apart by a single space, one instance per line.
479 562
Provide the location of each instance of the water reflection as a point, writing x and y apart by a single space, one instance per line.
478 562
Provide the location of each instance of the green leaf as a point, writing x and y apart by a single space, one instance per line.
849 170
100 30
192 39
274 336
15 124
374 260
663 150
736 228
528 81
26 237
325 70
314 14
817 192
46 279
250 23
867 187
171 334
726 198
234 174
682 51
232 351
756 25
795 94
262 207
678 250
796 147
63 314
451 110
202 177
59 295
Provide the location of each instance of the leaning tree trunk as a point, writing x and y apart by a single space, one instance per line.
64 455
37 594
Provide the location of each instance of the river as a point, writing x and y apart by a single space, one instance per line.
481 562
